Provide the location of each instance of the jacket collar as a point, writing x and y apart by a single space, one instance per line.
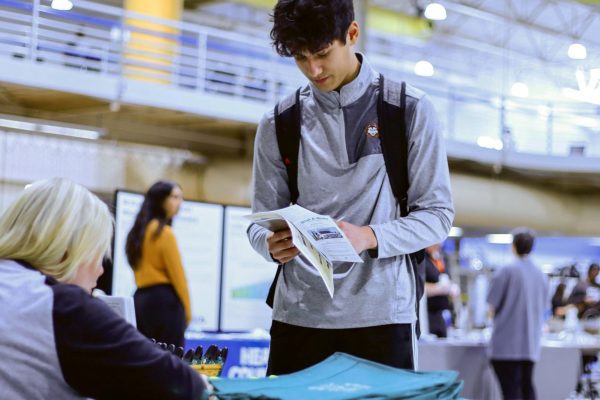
25 264
351 91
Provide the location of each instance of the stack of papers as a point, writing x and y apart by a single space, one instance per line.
122 305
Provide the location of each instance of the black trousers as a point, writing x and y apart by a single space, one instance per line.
159 314
437 324
294 348
516 378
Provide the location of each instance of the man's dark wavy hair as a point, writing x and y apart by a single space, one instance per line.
300 25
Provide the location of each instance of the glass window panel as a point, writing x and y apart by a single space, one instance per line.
567 136
528 130
593 148
472 120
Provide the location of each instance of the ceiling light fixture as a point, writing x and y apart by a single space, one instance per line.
435 12
577 51
489 142
519 89
424 68
455 231
589 89
577 95
544 111
586 122
500 238
62 5
42 127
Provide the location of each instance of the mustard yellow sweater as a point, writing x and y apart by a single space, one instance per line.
161 264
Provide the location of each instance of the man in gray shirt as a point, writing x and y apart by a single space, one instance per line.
342 173
518 296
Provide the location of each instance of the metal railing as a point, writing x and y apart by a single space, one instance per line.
111 41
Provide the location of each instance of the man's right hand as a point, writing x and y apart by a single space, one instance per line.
281 247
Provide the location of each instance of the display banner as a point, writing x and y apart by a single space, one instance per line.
199 231
247 357
246 277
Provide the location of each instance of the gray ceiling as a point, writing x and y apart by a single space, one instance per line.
495 42
487 42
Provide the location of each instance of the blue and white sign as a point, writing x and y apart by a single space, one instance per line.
247 357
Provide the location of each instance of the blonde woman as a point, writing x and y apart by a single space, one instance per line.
58 342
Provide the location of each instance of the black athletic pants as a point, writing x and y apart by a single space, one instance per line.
516 379
159 314
294 348
437 324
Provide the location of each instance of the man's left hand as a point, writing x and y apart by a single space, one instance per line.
362 237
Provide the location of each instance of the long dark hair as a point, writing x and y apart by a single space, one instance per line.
152 208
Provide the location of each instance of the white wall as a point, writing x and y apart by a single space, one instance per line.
100 166
479 202
104 167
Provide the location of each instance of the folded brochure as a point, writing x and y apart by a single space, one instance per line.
316 236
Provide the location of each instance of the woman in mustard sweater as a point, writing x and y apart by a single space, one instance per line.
162 301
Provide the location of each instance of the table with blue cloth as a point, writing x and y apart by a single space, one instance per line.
344 377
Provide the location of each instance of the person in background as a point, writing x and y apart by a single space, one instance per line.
586 294
518 297
593 271
559 301
59 342
162 300
438 289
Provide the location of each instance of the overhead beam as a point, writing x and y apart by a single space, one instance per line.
375 17
127 130
459 7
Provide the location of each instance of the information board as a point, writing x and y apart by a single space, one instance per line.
246 277
198 229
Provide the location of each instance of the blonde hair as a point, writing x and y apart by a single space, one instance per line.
56 226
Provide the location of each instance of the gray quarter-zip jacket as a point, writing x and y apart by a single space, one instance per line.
341 173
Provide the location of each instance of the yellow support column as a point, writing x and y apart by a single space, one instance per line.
152 45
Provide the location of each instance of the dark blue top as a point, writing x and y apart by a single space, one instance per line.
100 355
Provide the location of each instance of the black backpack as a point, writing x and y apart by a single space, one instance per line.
394 146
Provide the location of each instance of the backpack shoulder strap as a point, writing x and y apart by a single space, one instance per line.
394 138
287 130
394 146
